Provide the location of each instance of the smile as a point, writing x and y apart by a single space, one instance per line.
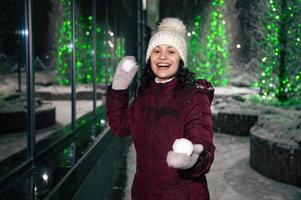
163 65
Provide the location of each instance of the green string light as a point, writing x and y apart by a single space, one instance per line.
63 61
208 50
280 68
108 53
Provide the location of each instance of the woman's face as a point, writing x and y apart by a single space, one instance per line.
165 61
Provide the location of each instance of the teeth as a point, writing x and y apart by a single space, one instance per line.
163 65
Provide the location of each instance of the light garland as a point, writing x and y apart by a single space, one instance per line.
280 68
208 52
109 50
63 61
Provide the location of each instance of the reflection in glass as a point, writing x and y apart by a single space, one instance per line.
52 31
12 81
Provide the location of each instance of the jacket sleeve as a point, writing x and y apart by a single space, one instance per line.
198 129
117 111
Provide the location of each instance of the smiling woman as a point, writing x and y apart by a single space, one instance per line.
170 105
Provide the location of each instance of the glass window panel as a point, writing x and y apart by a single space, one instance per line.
84 58
52 59
13 134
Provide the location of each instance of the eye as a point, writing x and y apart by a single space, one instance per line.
171 52
155 51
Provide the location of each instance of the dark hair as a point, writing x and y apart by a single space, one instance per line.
185 76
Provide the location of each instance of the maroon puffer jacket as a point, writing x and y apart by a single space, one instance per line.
156 119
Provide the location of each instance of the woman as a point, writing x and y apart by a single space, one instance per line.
170 105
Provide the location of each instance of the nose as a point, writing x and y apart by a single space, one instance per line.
162 55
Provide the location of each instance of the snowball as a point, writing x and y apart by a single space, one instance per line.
128 64
182 146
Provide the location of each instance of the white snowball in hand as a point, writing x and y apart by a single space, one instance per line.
127 65
182 146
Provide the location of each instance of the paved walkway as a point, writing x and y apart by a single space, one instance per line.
231 177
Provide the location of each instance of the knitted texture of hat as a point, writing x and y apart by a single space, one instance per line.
171 31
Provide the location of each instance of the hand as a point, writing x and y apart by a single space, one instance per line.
183 161
125 72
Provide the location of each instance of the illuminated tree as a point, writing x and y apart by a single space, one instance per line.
208 49
277 28
63 58
109 49
83 46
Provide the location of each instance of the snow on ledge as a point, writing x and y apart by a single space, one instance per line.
233 90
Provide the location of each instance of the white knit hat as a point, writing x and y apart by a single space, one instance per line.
171 31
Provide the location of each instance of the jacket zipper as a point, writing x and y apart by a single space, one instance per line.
150 139
186 195
150 162
150 146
